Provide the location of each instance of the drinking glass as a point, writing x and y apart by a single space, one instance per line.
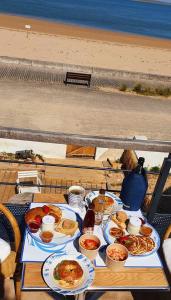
76 197
98 217
106 218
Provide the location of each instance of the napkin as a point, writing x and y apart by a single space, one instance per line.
34 251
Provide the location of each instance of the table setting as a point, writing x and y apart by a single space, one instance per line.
71 250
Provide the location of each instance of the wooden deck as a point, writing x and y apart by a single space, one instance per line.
6 192
51 175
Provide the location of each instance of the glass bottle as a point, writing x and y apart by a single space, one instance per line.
99 209
101 198
134 187
89 220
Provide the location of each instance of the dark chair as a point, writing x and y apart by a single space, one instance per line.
78 78
161 222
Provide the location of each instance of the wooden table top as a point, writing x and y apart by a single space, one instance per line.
126 279
51 198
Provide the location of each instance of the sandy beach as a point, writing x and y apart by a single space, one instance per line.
62 43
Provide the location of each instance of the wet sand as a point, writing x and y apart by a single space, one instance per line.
83 46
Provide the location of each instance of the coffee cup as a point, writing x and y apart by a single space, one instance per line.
76 195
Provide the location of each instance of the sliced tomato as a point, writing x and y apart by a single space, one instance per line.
46 209
122 239
90 244
38 219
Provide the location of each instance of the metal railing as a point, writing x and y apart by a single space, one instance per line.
97 141
163 174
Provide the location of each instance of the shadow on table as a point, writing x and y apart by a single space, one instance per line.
61 297
141 295
102 252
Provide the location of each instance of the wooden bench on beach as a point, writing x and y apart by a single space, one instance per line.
78 78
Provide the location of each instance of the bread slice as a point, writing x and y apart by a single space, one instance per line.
67 227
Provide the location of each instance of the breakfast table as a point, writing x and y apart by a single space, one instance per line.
138 276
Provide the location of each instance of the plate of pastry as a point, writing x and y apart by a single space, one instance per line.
53 225
145 242
68 274
111 201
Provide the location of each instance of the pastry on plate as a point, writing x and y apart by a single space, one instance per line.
120 224
67 227
68 274
37 213
116 232
121 216
104 203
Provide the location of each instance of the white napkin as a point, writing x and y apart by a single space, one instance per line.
5 250
167 252
34 251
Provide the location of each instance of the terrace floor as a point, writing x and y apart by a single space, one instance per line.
61 176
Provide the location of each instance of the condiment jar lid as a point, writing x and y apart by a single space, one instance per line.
135 221
48 220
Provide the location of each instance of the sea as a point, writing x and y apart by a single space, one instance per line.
129 16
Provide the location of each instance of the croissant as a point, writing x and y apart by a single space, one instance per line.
120 224
43 211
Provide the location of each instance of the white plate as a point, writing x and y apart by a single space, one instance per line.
110 240
117 201
51 262
60 238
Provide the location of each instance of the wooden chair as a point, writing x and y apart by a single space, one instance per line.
8 266
26 178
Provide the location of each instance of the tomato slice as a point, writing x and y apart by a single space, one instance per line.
46 209
38 219
90 244
122 239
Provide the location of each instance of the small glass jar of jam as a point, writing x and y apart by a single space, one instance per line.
33 226
46 236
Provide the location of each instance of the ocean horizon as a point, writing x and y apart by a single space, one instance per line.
128 16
